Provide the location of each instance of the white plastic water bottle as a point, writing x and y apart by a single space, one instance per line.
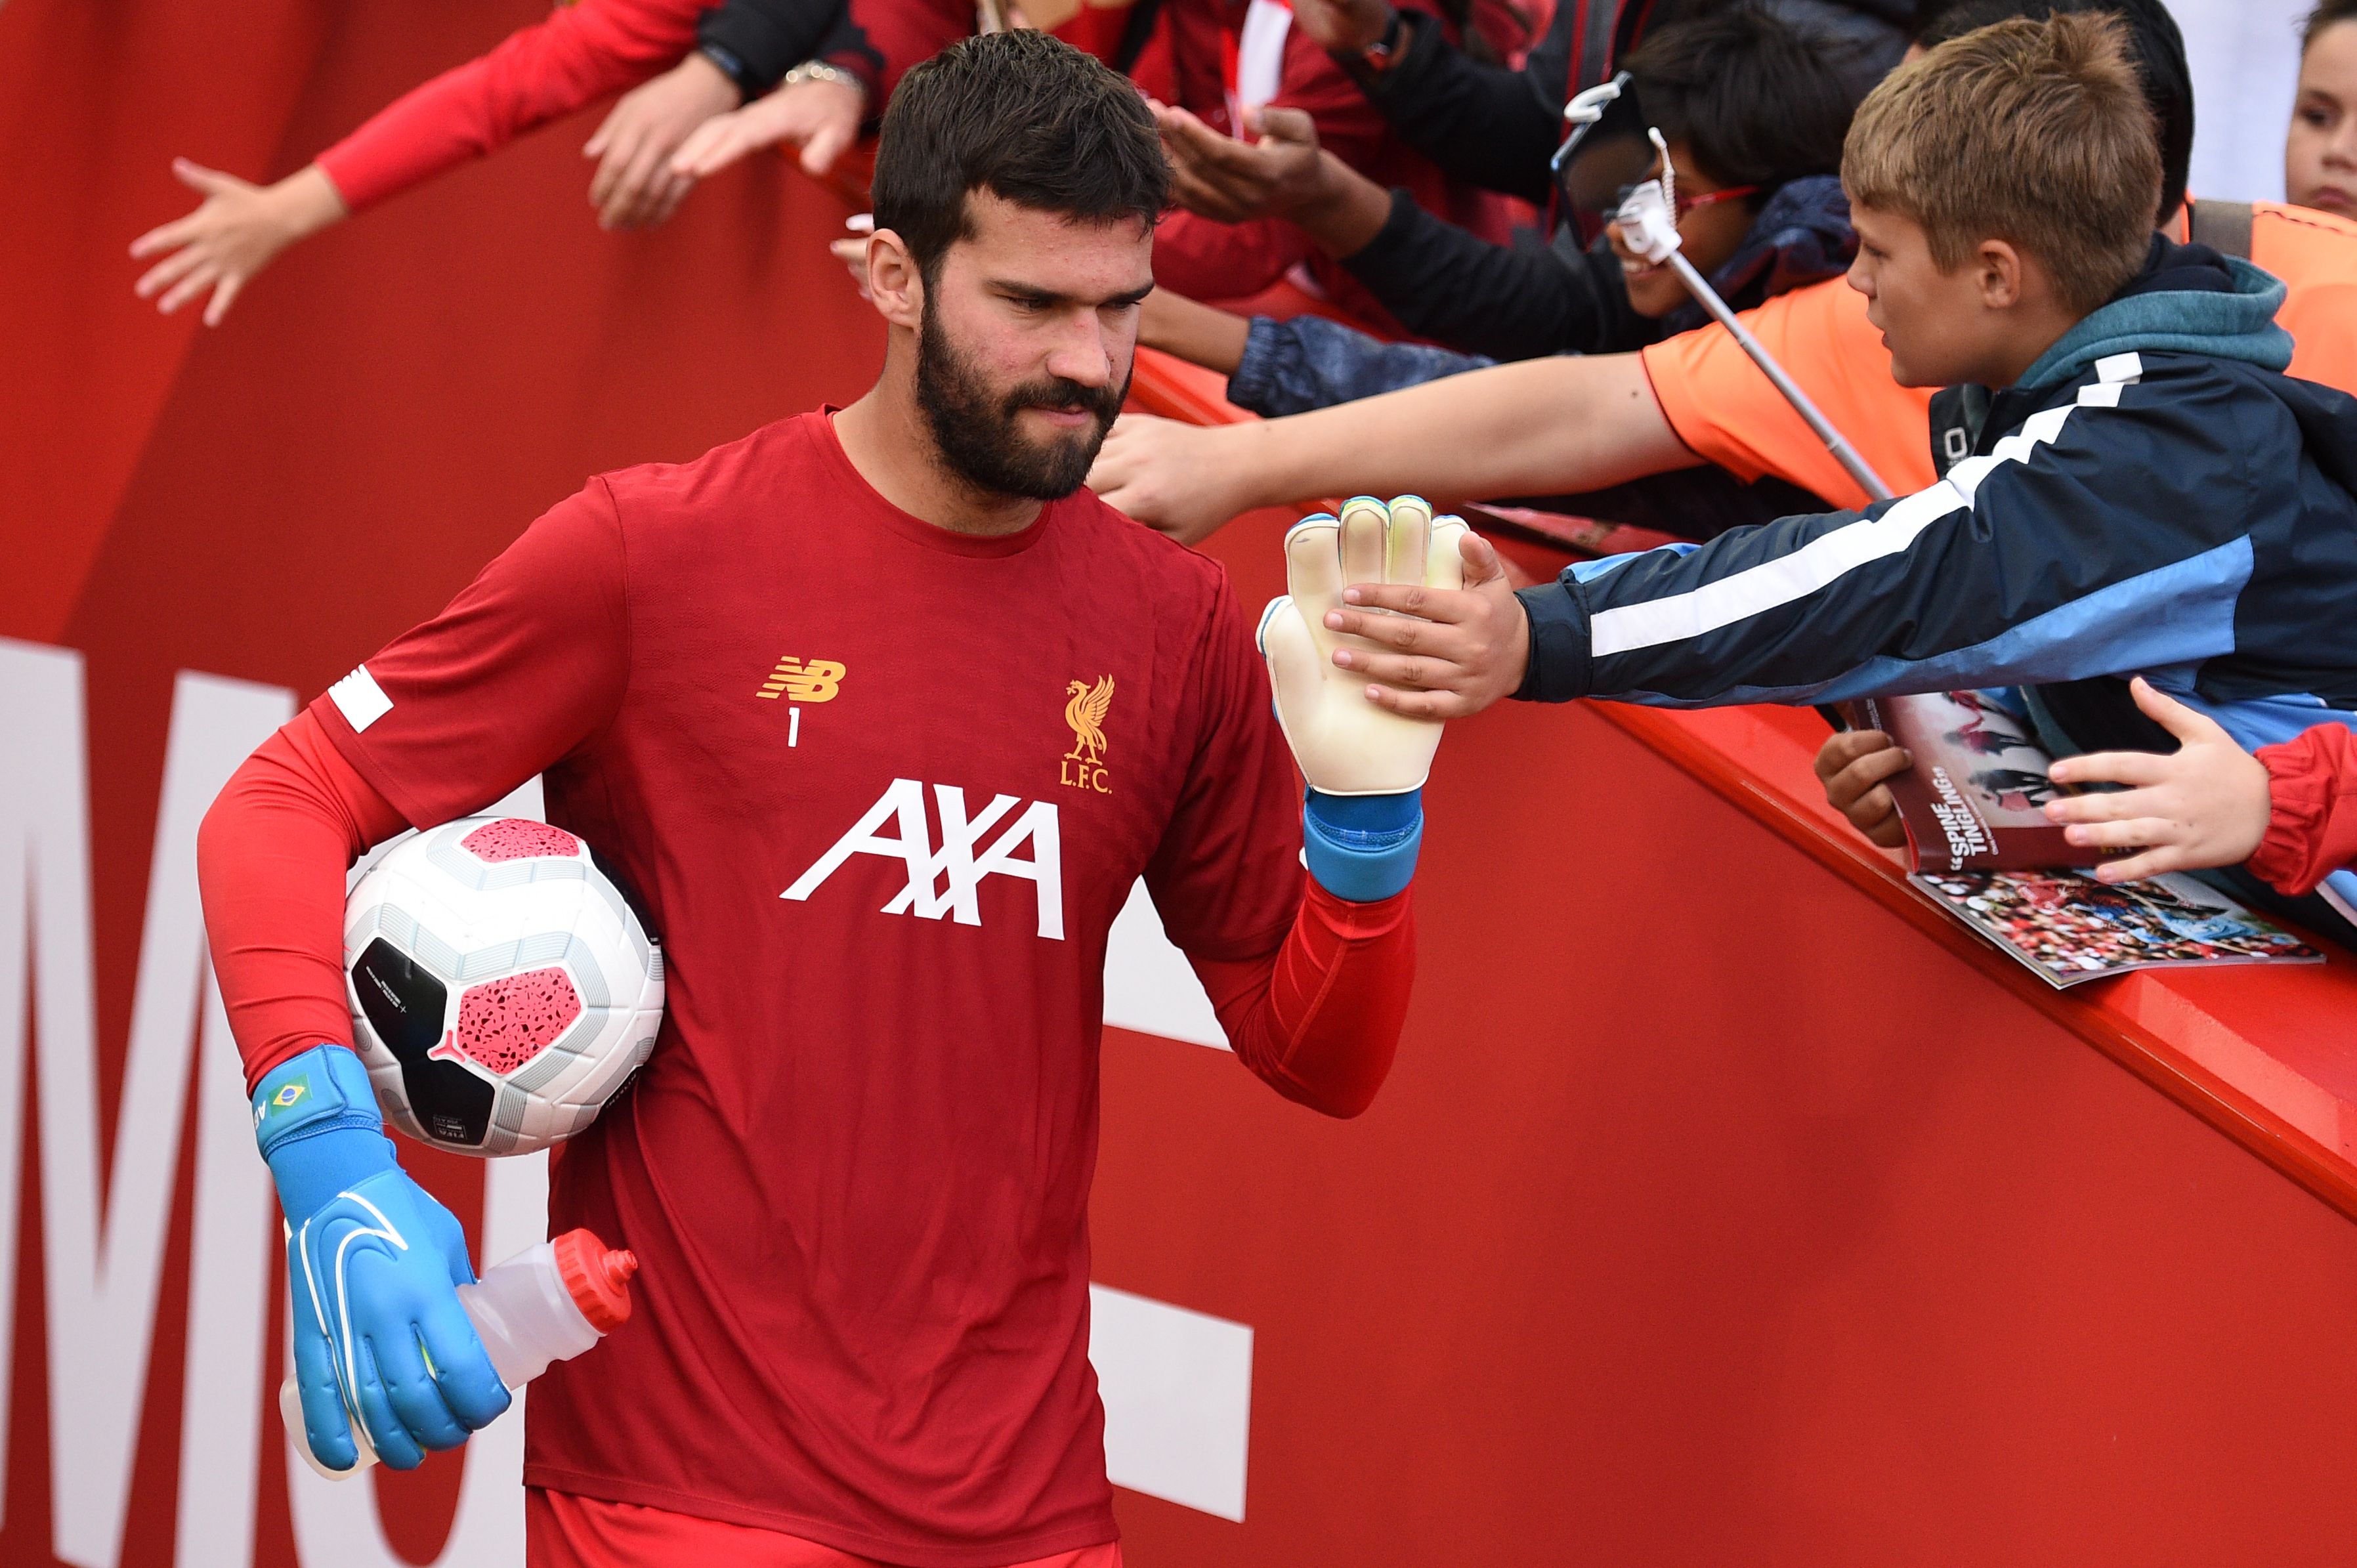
548 1302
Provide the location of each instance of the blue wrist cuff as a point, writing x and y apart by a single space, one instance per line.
1362 847
315 1119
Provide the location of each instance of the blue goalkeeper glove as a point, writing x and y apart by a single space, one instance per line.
374 1264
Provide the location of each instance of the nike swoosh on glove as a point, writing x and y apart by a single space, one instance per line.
374 1264
1363 820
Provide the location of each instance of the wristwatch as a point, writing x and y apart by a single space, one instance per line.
732 67
820 71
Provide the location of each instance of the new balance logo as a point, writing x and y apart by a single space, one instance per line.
945 881
815 682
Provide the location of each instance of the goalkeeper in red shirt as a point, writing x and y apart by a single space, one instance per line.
857 1167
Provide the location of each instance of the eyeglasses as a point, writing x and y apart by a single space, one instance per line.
1685 204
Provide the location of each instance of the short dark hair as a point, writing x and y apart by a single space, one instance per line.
1752 98
1026 117
2155 48
1756 100
2325 16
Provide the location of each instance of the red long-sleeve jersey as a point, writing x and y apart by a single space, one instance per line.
580 53
2312 819
833 751
1317 1019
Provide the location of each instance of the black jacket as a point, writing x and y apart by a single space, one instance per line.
1509 302
758 41
1496 127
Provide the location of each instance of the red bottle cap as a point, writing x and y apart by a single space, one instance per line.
599 1276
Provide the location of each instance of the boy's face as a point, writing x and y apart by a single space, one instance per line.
1941 328
1710 232
2321 150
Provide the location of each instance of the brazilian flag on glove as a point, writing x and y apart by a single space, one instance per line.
1363 820
374 1264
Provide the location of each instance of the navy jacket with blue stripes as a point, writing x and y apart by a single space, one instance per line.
2154 497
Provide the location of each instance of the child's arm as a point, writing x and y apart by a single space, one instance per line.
1199 334
2312 818
2290 812
1307 361
579 53
2203 805
2091 542
575 55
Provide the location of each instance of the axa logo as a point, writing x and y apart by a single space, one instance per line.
816 680
1085 712
946 880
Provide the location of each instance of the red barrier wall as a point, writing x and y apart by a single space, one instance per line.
1718 1211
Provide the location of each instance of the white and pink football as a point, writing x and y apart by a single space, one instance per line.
502 989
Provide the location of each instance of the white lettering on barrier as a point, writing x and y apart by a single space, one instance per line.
234 1229
1177 1400
103 1268
1149 985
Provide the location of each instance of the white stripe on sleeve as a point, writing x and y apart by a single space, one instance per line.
359 699
1816 565
1825 559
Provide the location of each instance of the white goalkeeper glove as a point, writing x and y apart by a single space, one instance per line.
1366 766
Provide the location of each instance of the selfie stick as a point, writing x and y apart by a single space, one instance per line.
1648 228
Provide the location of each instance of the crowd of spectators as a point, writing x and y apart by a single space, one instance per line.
1371 200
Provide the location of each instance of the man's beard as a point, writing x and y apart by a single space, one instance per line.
977 433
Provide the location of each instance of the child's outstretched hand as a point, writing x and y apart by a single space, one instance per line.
231 235
2206 805
1456 652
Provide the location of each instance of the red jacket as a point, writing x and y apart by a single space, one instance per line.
579 54
2312 824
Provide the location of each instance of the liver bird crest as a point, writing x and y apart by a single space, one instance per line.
1085 713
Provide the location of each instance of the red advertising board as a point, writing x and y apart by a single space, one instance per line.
1724 1207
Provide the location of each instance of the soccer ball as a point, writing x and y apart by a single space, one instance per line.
502 988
